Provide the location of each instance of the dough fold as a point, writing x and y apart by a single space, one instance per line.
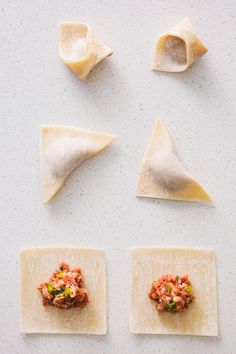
178 49
80 50
162 174
62 149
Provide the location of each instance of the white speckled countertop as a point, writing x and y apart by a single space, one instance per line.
97 207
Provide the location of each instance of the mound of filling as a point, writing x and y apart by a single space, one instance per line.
176 48
172 293
64 288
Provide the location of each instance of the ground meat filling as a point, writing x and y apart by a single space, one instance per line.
172 293
64 288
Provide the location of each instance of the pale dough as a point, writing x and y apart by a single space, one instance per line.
177 49
148 264
79 48
36 266
162 174
62 149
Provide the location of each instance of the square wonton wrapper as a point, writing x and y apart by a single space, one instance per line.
37 265
148 264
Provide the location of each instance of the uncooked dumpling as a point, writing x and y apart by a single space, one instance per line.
79 48
148 263
62 149
177 49
162 174
35 266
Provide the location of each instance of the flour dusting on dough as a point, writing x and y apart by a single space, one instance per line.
65 154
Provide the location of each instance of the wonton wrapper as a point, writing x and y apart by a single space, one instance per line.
163 176
37 265
62 149
79 48
177 49
147 265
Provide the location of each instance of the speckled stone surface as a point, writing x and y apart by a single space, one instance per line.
97 206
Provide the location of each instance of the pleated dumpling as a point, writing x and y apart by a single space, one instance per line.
162 174
79 48
62 149
177 49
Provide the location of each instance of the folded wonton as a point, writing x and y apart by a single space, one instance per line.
62 149
177 49
79 48
163 176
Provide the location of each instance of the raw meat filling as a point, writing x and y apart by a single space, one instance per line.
64 288
172 293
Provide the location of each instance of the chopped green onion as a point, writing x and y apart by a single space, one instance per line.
177 277
170 307
66 291
58 291
60 275
188 289
50 288
168 287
